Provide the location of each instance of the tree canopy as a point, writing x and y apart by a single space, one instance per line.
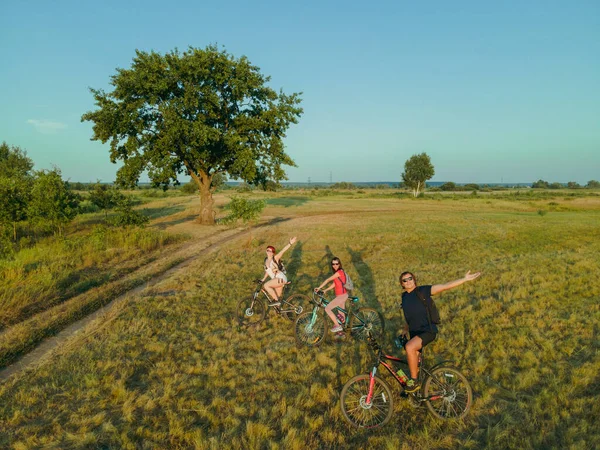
15 185
593 184
52 201
200 112
417 170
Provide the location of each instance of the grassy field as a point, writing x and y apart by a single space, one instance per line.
171 368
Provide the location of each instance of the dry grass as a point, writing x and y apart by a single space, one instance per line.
174 371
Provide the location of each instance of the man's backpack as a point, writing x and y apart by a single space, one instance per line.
348 285
433 315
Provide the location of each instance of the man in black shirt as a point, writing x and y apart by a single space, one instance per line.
418 324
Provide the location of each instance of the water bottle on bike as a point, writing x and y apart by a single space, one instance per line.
402 376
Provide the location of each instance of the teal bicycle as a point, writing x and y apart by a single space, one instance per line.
311 326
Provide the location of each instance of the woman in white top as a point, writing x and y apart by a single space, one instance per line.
275 271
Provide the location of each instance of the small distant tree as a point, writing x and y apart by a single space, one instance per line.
556 185
52 202
126 215
573 185
244 209
449 186
105 197
15 194
343 185
199 112
540 184
593 184
471 187
417 170
16 182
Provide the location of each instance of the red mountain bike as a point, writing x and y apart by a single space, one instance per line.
367 401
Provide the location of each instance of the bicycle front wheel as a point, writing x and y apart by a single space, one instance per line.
309 329
366 320
355 408
448 392
251 311
294 305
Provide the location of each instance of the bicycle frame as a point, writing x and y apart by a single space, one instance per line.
267 299
381 361
322 302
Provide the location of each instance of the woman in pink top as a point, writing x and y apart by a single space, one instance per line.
338 280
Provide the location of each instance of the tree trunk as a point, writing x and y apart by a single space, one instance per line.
207 215
416 191
15 231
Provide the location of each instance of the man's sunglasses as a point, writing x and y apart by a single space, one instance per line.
404 280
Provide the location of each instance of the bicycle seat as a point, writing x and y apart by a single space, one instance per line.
353 299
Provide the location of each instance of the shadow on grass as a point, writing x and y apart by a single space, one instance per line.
366 280
301 284
170 223
155 213
287 202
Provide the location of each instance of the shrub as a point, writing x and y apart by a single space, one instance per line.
593 184
127 216
241 208
244 187
343 185
86 207
6 246
449 186
189 188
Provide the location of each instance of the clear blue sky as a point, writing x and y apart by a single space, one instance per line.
492 91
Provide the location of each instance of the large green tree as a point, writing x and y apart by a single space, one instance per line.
201 112
417 170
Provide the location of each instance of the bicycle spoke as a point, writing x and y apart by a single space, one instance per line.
452 396
354 405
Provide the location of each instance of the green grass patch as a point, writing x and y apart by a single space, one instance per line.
55 270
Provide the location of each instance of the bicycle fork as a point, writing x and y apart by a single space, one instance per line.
313 319
371 385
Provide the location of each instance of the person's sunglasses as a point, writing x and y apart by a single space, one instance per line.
335 264
404 280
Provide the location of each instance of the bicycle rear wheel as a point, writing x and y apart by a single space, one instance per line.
251 311
297 303
449 392
308 330
364 320
355 409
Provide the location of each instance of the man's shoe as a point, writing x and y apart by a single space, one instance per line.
337 329
412 386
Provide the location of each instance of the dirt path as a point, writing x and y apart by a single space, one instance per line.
189 252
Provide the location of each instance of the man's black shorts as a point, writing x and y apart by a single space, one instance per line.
426 336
